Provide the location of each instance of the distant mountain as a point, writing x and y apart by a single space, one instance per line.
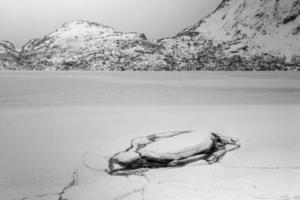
87 45
238 35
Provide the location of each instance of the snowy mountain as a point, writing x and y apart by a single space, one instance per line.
87 45
264 25
252 34
238 35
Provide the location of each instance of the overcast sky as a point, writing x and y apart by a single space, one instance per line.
21 20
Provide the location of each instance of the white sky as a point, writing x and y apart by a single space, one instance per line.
21 20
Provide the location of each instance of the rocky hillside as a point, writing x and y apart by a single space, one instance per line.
238 35
241 35
8 56
85 45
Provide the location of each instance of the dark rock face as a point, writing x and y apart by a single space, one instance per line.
9 56
171 149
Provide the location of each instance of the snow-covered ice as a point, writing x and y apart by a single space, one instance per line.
56 140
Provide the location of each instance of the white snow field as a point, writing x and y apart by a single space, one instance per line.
58 131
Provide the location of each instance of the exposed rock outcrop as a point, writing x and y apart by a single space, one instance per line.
171 149
9 56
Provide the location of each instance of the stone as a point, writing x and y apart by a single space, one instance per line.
171 149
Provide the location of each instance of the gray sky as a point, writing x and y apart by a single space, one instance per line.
21 20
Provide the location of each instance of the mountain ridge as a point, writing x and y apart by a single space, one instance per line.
237 35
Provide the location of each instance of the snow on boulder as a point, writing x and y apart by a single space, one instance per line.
170 149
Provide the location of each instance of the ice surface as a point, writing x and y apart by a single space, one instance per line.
54 123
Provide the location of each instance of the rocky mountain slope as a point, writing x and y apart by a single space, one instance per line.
241 34
8 56
238 35
90 46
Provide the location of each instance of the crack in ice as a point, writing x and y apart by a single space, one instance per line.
58 194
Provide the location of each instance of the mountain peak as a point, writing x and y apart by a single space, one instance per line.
85 23
83 44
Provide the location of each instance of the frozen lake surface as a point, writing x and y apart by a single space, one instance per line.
148 88
49 119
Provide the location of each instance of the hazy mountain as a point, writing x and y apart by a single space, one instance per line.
238 35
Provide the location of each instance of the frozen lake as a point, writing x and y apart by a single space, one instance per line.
147 88
49 119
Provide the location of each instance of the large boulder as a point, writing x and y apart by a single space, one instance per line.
170 149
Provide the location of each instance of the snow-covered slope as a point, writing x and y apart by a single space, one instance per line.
270 25
255 30
90 46
238 35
